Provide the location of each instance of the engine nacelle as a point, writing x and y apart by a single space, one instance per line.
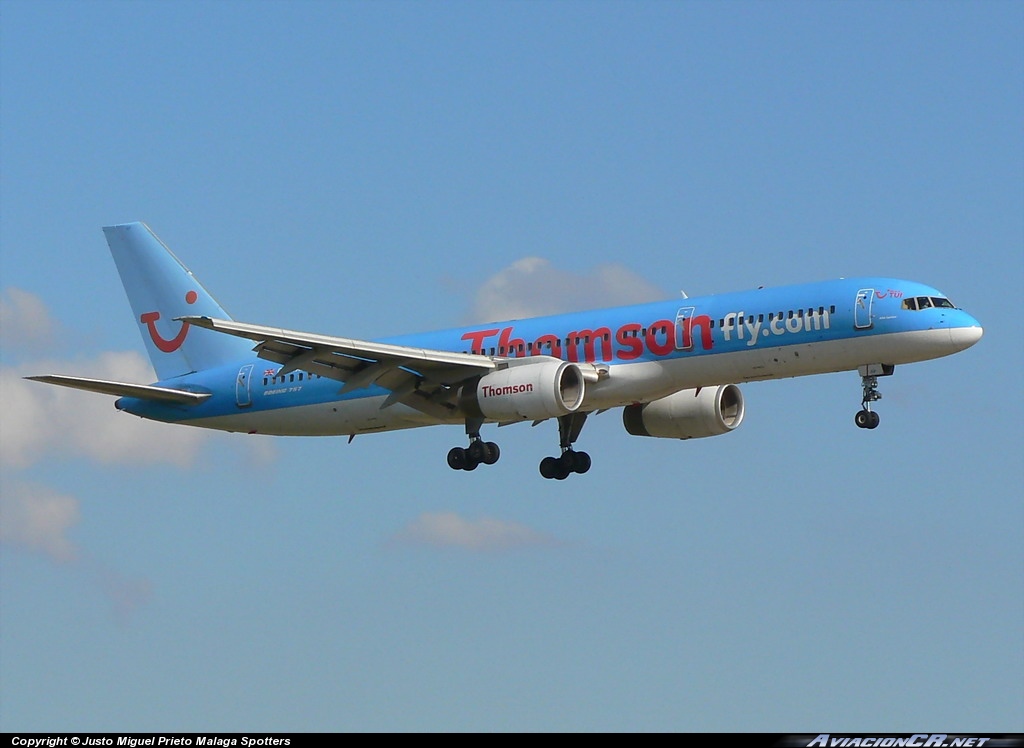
689 414
531 391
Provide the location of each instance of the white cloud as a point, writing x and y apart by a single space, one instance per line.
24 320
37 518
532 286
125 595
485 534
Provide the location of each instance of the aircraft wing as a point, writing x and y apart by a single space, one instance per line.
124 389
421 378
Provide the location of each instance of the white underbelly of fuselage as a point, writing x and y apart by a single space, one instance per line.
338 418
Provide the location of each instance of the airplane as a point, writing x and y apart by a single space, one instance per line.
672 366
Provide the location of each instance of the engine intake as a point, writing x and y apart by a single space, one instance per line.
688 414
526 392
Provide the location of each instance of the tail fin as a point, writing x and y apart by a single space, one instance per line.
159 289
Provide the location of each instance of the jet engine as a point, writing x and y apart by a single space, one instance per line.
532 391
688 414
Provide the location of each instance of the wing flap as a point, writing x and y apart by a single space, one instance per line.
420 378
125 389
292 342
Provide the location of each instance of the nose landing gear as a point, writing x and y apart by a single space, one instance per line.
869 374
866 419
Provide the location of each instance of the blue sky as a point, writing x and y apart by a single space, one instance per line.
367 169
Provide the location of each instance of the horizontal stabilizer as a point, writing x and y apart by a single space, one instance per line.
123 389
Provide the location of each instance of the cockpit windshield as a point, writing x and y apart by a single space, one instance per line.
918 303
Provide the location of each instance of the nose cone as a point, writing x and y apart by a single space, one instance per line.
966 334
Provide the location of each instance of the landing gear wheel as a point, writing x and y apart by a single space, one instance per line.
477 451
580 462
457 458
867 419
549 467
461 459
560 468
566 464
492 453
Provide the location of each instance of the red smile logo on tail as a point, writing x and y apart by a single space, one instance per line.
167 346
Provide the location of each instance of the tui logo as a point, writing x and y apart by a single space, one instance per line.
167 346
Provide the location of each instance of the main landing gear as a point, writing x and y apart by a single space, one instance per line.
867 418
478 453
570 461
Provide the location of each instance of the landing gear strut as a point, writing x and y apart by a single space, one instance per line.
477 453
867 418
570 461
